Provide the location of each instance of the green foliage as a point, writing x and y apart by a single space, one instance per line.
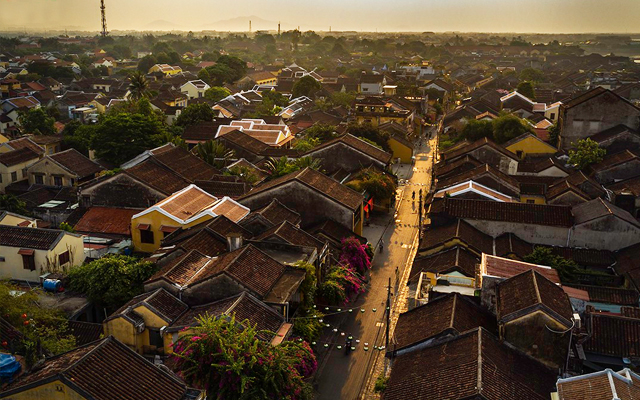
308 286
146 62
477 129
381 383
214 153
227 70
277 98
120 137
11 203
322 132
554 135
307 324
306 86
532 75
194 113
587 152
544 256
138 86
111 281
342 99
246 173
230 362
378 184
277 167
78 136
332 292
216 93
43 327
371 142
370 132
508 127
36 121
306 144
525 88
67 227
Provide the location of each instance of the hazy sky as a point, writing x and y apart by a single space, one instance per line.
364 15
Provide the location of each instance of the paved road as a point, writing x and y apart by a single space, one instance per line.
343 376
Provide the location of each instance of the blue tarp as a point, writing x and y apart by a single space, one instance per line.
8 366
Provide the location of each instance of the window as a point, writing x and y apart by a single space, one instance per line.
14 176
155 339
553 116
531 201
1 258
29 262
594 126
519 153
146 236
38 179
24 173
577 125
63 258
57 181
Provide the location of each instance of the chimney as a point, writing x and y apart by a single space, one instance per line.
234 241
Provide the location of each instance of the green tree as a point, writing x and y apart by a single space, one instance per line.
587 152
379 184
146 62
77 136
245 173
120 137
370 132
475 130
343 99
216 93
214 153
37 122
532 75
11 203
138 86
230 362
508 127
306 86
277 98
544 256
306 144
194 113
554 135
526 89
322 132
111 281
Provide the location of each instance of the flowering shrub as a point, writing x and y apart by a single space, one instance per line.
307 324
341 283
354 254
229 361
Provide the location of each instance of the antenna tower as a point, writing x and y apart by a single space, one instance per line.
104 18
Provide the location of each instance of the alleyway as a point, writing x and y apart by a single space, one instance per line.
342 376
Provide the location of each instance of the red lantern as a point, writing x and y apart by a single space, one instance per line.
5 344
24 316
26 323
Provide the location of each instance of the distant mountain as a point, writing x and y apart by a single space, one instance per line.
161 25
242 24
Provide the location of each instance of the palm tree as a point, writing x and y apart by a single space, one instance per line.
138 86
308 162
9 202
276 167
214 153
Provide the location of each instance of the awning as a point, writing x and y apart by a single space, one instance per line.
26 252
144 227
168 229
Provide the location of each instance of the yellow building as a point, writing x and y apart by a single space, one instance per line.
104 369
529 145
27 253
166 69
13 219
183 209
13 166
401 148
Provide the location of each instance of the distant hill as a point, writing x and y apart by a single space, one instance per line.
242 24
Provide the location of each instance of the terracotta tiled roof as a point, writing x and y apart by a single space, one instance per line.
449 314
613 336
32 238
612 160
105 370
453 154
333 231
611 132
631 185
183 270
358 144
502 181
509 244
289 233
601 385
585 96
536 214
471 365
276 213
600 294
16 157
187 203
318 181
599 208
456 167
116 221
523 293
563 187
85 332
75 162
245 142
157 176
167 305
243 307
453 259
219 188
461 230
507 268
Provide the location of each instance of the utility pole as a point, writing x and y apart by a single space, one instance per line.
386 342
249 26
278 29
420 212
104 18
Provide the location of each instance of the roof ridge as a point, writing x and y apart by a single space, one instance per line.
535 285
479 383
453 311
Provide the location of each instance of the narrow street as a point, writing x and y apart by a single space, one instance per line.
342 376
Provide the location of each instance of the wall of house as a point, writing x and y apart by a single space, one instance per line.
568 199
619 172
401 151
19 169
370 88
312 205
621 142
45 260
48 170
55 390
157 220
601 112
120 191
340 156
606 233
539 234
532 199
13 220
124 331
531 146
530 334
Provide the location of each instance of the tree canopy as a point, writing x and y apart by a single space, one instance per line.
194 113
526 89
111 281
587 152
37 122
508 127
216 93
306 86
